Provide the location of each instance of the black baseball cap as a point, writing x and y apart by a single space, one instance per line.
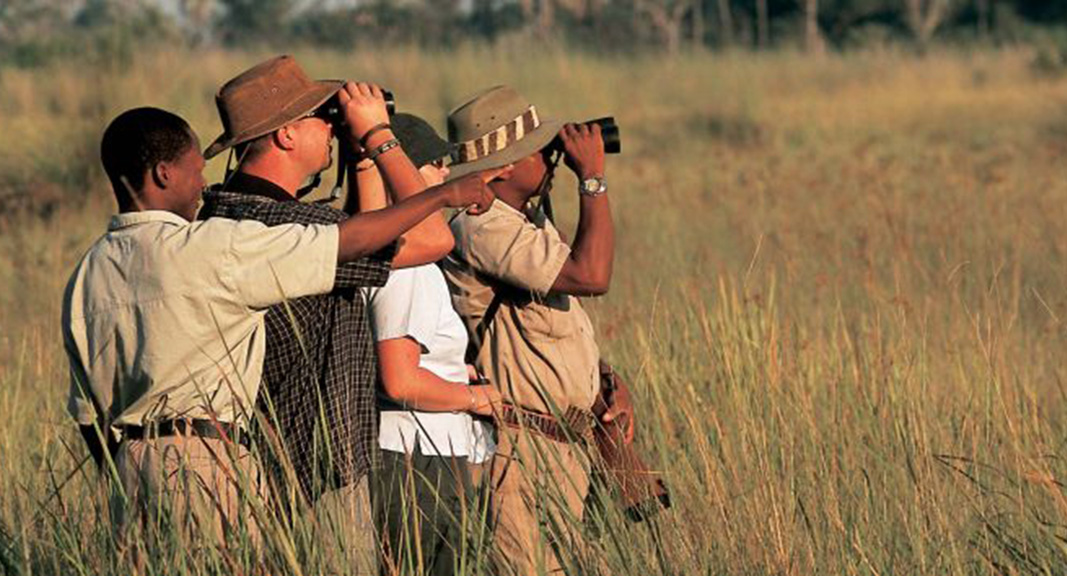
419 140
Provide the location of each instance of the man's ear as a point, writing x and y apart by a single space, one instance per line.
161 174
284 138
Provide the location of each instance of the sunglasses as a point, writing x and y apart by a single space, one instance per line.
439 163
325 113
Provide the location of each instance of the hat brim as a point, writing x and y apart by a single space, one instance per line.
322 91
532 142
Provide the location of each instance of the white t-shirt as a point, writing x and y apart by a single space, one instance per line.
415 303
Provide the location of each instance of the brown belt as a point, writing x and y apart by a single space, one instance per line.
575 424
194 427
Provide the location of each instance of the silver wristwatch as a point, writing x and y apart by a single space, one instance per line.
593 187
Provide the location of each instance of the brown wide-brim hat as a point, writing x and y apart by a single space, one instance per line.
495 128
264 98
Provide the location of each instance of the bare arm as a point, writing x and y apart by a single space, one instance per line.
365 233
429 240
587 272
366 190
417 388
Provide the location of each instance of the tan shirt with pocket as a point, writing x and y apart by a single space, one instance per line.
540 347
163 318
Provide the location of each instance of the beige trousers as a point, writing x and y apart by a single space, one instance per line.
206 486
538 491
345 524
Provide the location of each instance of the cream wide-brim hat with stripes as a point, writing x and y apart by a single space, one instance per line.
496 128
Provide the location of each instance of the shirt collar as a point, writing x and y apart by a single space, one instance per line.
249 184
143 217
527 213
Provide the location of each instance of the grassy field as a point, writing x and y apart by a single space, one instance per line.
839 297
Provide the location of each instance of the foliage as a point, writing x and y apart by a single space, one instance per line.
838 295
35 32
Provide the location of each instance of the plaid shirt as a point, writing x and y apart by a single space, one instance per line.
319 371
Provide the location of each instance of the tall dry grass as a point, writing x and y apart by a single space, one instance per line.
839 297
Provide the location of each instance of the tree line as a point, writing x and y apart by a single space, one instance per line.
48 27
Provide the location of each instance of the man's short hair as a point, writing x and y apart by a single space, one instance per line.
137 140
252 149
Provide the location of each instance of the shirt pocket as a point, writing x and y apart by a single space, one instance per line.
547 318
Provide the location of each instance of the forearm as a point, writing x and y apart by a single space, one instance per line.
431 239
367 232
396 169
423 390
366 190
593 251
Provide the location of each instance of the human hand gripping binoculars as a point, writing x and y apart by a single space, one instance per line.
331 110
609 133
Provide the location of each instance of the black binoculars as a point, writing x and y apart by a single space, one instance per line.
609 133
331 110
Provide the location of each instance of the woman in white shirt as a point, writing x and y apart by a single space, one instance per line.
427 434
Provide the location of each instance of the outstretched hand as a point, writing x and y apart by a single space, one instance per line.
472 191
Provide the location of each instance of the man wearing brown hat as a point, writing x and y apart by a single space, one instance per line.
514 281
319 371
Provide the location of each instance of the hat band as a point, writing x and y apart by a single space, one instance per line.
498 139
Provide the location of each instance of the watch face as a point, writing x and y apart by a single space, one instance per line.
591 185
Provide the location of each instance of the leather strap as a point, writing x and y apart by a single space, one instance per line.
575 423
194 427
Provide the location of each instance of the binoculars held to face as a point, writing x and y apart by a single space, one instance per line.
331 110
609 133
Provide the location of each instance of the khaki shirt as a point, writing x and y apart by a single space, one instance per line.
540 343
163 318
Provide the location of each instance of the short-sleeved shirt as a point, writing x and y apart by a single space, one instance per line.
163 318
415 304
540 344
320 369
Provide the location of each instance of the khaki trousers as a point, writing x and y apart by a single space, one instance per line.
537 493
205 486
346 528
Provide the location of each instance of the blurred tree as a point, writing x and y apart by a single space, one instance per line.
923 17
763 24
983 16
666 17
813 41
21 20
726 22
246 22
199 16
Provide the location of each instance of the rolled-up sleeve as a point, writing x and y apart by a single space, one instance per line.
272 264
513 250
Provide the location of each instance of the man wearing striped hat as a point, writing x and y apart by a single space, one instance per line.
514 281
